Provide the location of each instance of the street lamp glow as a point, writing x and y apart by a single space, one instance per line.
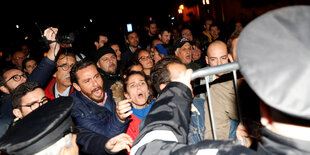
180 11
204 2
181 7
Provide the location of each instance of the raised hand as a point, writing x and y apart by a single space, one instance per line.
50 34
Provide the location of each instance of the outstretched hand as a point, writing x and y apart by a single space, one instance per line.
119 142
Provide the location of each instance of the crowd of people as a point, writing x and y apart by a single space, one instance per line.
141 99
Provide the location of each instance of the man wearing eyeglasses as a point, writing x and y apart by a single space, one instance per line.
61 84
27 97
12 77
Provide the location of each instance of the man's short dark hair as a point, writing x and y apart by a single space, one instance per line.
214 25
128 33
65 52
3 71
78 66
21 91
161 32
160 73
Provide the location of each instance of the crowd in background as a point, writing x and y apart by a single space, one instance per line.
130 96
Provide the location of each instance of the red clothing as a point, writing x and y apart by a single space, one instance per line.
133 126
49 90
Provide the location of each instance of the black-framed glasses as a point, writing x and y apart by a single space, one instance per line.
65 66
16 77
34 105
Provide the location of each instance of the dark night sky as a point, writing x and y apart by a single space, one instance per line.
106 15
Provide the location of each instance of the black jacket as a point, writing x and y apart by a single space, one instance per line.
276 144
109 79
41 74
167 123
166 128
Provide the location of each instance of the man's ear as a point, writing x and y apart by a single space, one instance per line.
265 115
162 86
98 65
17 113
230 58
76 86
159 36
176 53
54 75
207 61
5 90
96 44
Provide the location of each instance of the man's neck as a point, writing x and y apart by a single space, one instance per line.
133 49
150 34
61 88
147 71
104 100
291 131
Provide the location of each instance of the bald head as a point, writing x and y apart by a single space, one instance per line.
217 53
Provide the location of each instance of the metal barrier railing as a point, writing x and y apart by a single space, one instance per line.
207 71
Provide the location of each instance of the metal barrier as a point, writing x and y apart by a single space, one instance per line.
207 71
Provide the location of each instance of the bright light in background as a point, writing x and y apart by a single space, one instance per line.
17 26
26 37
91 20
180 10
181 7
204 2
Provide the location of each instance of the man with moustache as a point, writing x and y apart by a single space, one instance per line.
10 78
94 108
106 61
183 49
61 85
